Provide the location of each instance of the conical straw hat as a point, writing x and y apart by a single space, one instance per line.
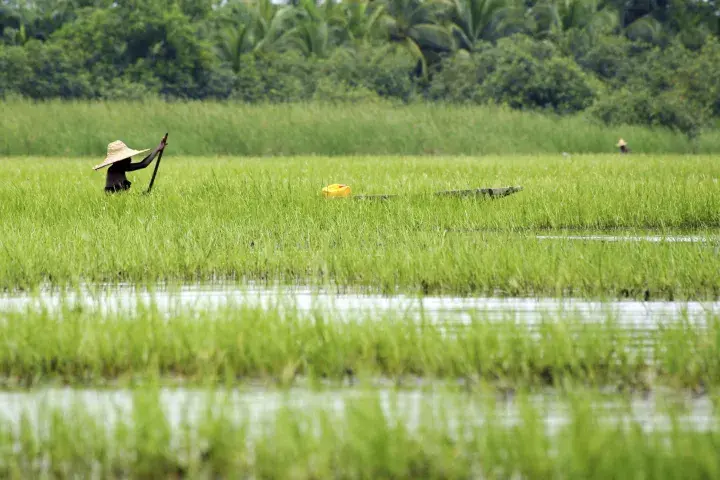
117 151
621 143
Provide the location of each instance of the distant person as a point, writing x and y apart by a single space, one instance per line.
119 157
623 146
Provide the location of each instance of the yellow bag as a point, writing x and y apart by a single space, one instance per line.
336 190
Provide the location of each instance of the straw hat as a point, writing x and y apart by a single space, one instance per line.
117 151
621 143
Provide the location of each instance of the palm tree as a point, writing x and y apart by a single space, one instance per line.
273 24
646 29
418 26
318 29
475 20
557 16
253 28
311 37
232 42
363 21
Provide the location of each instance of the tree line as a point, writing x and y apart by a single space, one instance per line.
653 62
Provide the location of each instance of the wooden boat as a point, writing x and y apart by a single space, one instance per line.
489 192
373 197
473 192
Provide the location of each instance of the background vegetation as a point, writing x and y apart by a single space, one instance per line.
84 128
58 128
636 62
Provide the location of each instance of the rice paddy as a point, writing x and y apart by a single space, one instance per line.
195 346
365 435
264 220
439 299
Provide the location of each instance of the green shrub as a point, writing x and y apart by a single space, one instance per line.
153 43
672 87
275 78
332 91
519 72
14 68
387 73
667 109
700 79
457 81
56 72
607 57
663 68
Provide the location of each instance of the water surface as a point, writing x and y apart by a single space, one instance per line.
343 306
254 406
635 238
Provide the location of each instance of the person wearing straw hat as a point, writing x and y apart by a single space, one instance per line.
119 158
622 145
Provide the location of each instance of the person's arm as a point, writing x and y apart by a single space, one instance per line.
147 160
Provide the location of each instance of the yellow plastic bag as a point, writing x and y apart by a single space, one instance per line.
336 190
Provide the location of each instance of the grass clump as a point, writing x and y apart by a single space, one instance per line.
264 220
233 343
212 128
367 438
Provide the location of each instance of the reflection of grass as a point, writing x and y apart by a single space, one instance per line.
264 219
241 343
370 437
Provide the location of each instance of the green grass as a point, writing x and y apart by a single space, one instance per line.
235 344
362 442
85 128
265 220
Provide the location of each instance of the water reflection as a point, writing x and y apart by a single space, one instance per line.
629 313
632 238
253 406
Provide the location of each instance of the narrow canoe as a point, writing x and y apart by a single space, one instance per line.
473 192
488 192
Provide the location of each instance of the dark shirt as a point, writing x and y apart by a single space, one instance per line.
116 180
119 188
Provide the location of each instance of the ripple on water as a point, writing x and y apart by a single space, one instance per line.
530 311
253 406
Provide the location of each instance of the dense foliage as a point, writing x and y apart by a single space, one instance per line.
628 61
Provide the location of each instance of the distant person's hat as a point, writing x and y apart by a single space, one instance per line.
117 151
621 143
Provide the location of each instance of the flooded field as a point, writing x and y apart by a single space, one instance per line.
422 400
262 434
100 334
240 325
186 407
631 313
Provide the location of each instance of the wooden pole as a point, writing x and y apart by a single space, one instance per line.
157 164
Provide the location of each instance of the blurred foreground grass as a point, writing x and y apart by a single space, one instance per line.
369 436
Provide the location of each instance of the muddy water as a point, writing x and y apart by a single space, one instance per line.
632 314
253 406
